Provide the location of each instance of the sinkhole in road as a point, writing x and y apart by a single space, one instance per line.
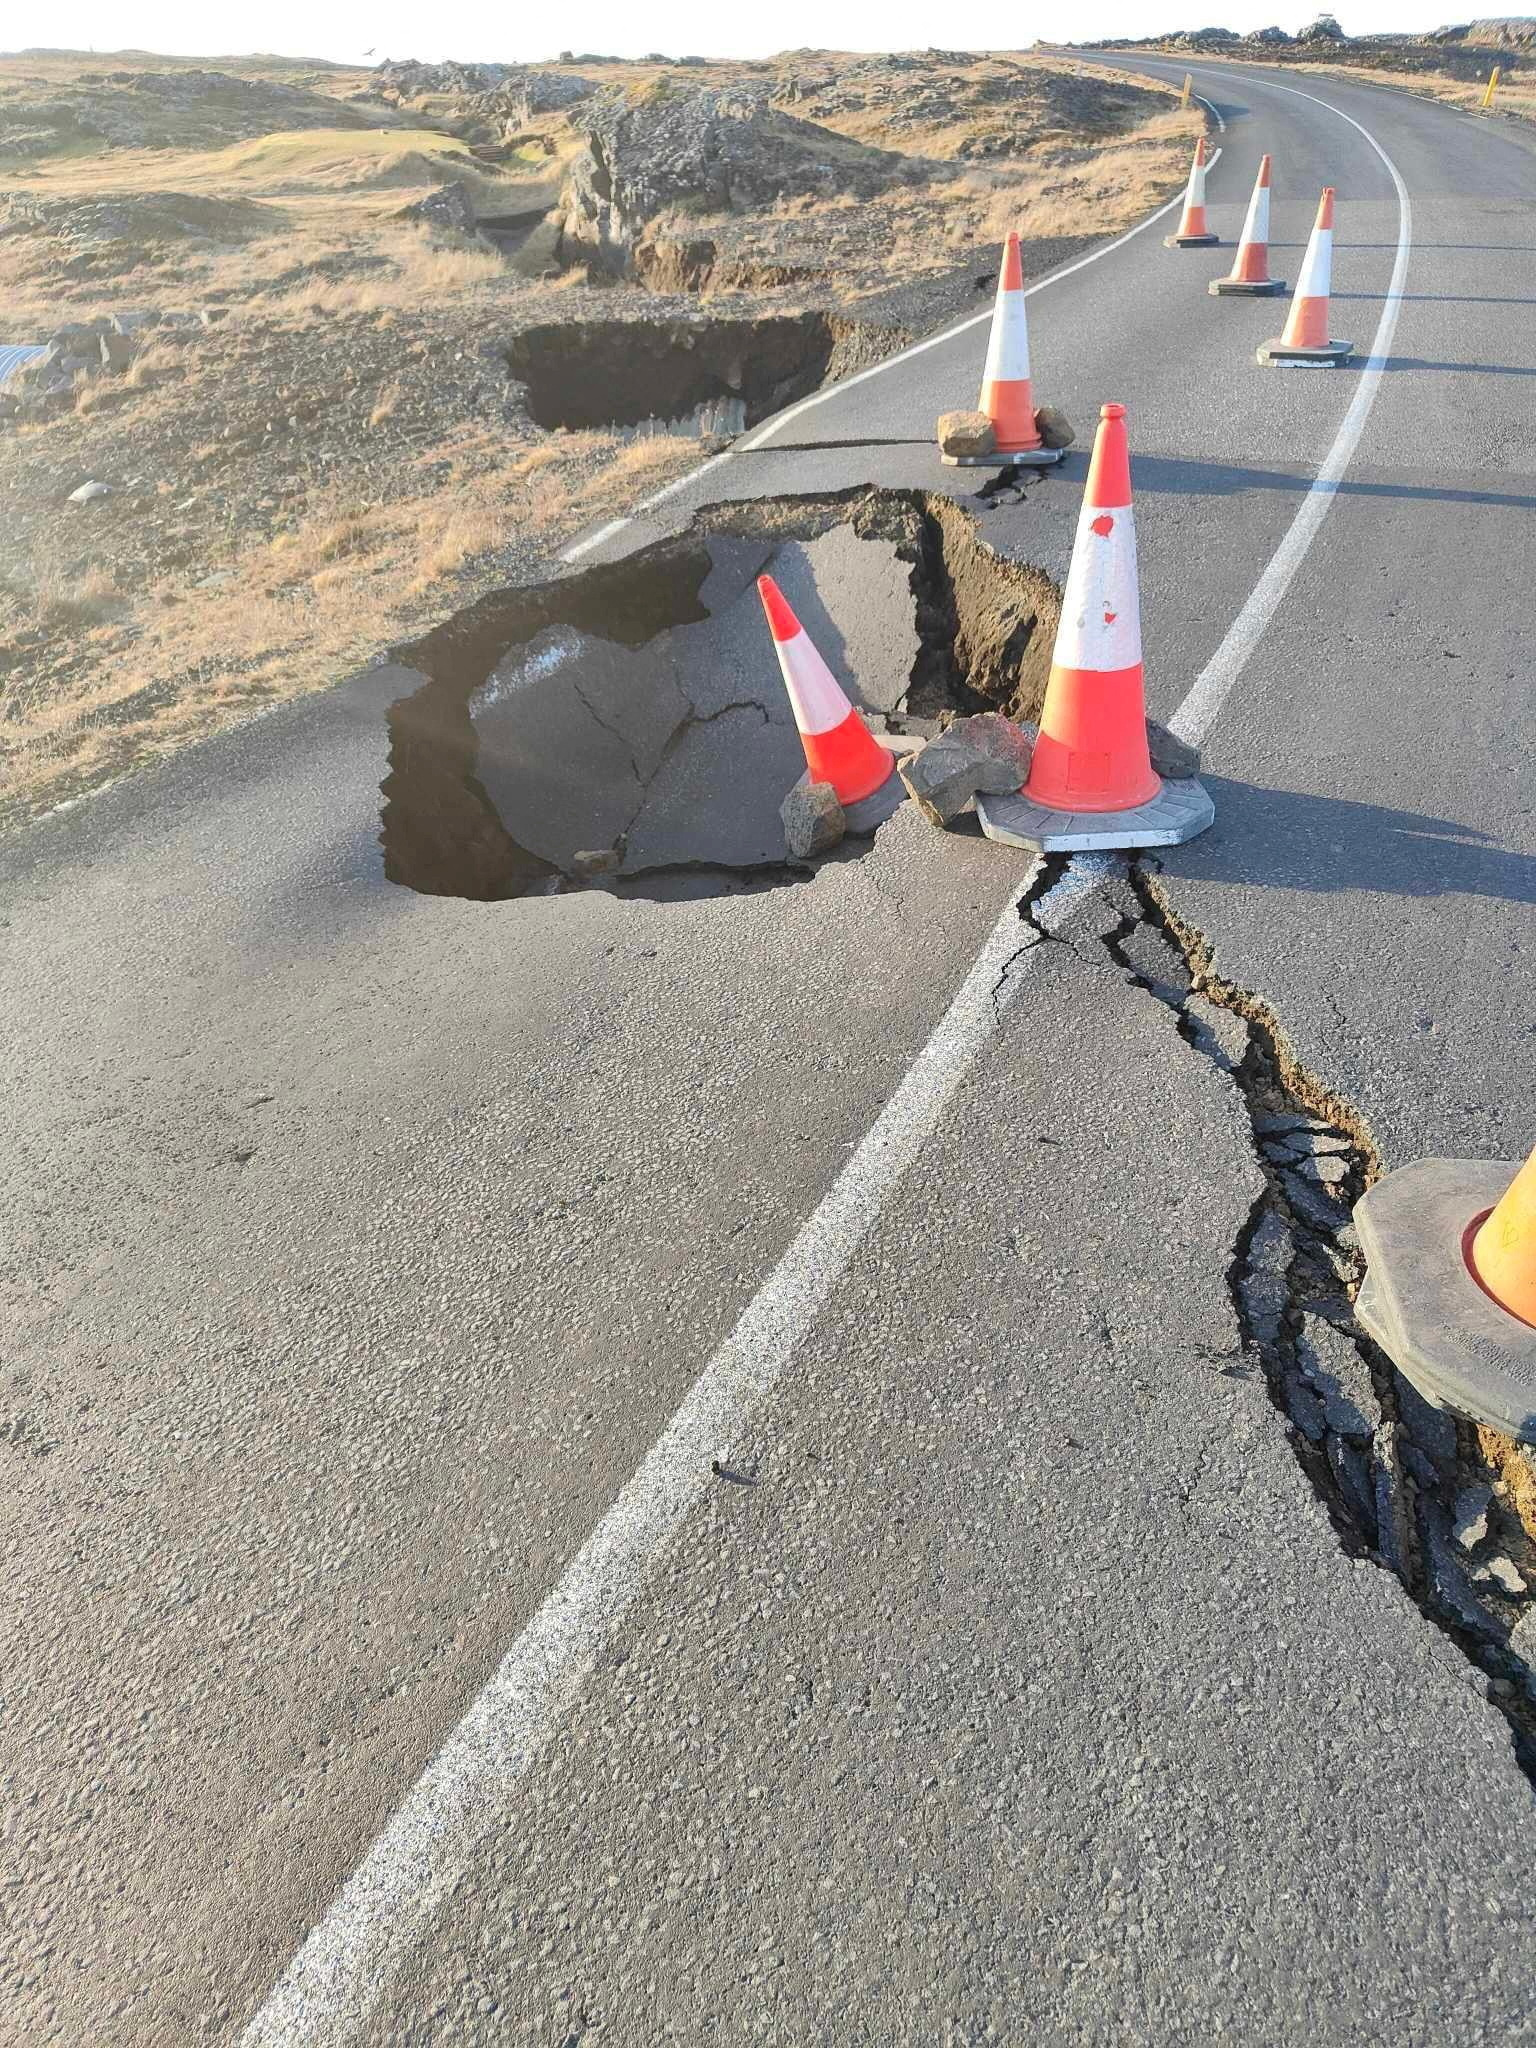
618 373
626 727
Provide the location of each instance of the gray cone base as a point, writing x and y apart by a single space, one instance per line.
1239 288
1039 458
1179 811
1191 241
1328 354
1421 1304
862 818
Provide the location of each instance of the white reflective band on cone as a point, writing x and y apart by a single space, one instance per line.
1008 347
1100 612
1256 226
815 695
1317 266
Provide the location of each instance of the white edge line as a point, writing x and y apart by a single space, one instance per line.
758 440
330 1985
1201 708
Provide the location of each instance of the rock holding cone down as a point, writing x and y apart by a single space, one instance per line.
813 819
1450 1285
839 747
1091 781
1006 398
1193 231
986 752
1249 276
966 435
1306 338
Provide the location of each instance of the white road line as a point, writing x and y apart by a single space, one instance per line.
325 1995
764 433
1201 708
328 1989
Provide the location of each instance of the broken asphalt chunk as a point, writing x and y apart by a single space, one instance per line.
985 753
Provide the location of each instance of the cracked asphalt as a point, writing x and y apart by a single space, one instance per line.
362 1242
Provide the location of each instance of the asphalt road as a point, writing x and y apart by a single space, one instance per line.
1008 1680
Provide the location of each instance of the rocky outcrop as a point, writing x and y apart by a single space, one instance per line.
495 97
449 209
135 218
698 149
48 379
1510 32
149 109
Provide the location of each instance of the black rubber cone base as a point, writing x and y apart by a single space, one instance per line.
1191 241
1239 288
1327 356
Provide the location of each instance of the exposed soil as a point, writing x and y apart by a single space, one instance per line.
602 373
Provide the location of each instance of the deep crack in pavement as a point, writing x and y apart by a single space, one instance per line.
1446 1507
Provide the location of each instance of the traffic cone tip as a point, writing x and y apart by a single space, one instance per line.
781 620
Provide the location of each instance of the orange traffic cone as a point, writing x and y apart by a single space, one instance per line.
839 747
1091 781
1092 751
1007 398
1503 1253
1305 339
1193 233
1249 276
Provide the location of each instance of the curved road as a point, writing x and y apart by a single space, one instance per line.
976 1659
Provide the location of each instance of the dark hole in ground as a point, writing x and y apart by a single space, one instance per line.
634 712
509 231
620 372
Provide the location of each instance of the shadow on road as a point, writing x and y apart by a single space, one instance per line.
1221 479
1482 369
1285 839
1441 298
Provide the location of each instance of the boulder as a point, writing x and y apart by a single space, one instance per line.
87 494
674 145
813 819
116 351
985 753
966 433
1172 758
449 207
1053 427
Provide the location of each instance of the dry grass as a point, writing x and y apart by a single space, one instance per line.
318 567
298 611
1095 191
84 600
1515 96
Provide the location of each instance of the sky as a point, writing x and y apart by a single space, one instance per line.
349 31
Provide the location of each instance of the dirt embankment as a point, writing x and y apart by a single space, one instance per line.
335 398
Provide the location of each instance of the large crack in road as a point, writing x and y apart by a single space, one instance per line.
630 714
1448 1508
